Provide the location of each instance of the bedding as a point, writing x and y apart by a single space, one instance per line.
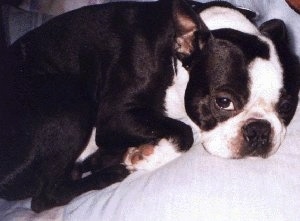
197 186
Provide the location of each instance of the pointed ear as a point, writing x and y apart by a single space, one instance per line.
190 31
276 30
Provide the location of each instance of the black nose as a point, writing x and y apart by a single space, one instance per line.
257 134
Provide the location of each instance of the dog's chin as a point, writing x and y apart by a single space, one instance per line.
229 140
227 153
230 152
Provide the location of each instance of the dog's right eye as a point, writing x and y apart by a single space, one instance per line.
224 103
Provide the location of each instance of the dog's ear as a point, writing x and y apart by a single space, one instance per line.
276 30
190 31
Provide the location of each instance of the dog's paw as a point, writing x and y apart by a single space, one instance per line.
150 157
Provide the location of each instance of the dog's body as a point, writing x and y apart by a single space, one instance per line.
104 66
113 68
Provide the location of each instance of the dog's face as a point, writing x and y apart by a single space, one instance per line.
243 91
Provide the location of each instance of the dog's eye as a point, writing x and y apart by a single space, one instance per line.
285 107
224 103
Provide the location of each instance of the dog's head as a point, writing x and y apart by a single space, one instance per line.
244 83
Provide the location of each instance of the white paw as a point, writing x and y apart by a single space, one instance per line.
149 157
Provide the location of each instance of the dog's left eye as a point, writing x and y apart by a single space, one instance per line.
224 103
285 107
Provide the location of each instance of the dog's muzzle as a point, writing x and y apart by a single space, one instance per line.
257 136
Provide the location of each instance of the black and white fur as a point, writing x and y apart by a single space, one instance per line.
116 68
103 67
253 68
265 86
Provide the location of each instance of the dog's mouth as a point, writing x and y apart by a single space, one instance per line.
256 152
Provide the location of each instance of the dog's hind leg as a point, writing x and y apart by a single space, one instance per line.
57 161
66 189
95 162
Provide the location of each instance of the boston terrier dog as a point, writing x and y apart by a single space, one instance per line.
106 67
123 69
239 92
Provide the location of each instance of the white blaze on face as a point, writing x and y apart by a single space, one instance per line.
266 77
266 81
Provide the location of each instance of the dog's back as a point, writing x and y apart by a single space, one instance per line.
106 67
49 84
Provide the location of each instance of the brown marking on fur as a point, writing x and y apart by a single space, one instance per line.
137 154
236 146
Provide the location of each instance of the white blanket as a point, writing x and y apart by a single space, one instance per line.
197 186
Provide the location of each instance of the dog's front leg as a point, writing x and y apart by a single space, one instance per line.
165 139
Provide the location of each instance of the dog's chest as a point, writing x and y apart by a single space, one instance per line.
174 100
90 148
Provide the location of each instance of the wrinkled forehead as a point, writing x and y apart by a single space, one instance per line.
246 63
226 66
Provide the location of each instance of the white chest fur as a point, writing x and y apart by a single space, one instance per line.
90 148
165 151
174 101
